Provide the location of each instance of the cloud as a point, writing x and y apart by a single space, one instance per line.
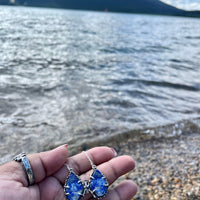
184 4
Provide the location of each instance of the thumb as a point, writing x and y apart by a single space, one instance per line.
43 165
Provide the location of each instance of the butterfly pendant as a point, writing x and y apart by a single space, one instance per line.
74 188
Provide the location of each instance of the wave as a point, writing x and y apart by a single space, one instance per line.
156 83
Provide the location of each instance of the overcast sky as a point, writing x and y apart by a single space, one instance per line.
185 4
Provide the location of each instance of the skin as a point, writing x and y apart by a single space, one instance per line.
50 174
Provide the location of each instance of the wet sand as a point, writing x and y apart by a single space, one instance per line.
167 169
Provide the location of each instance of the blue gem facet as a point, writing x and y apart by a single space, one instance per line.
98 184
74 188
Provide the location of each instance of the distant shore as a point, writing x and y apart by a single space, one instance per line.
176 12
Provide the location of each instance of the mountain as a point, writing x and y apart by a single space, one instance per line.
128 6
4 2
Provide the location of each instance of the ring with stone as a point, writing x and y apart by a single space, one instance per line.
26 166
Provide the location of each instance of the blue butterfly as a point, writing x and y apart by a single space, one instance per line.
74 188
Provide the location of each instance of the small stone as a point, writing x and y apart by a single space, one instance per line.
154 181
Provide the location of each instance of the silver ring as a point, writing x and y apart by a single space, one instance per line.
27 167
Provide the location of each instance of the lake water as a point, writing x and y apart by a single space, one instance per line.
77 77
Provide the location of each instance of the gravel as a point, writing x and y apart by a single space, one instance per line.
167 169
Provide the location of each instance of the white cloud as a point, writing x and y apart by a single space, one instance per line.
184 4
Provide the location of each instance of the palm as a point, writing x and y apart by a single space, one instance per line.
50 175
47 189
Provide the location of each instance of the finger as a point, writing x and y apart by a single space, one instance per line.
81 164
114 168
98 155
125 191
42 164
46 163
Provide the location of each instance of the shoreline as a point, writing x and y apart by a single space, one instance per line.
166 168
163 132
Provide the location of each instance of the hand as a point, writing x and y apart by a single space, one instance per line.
50 174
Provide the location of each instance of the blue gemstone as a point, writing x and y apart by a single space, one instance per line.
74 188
98 184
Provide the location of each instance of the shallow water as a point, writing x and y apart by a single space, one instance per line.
73 76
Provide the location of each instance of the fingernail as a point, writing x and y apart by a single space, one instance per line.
114 152
65 145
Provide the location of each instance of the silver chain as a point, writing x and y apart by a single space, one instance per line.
69 168
93 165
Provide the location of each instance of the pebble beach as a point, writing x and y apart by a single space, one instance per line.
166 169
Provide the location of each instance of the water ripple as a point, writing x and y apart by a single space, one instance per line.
72 75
